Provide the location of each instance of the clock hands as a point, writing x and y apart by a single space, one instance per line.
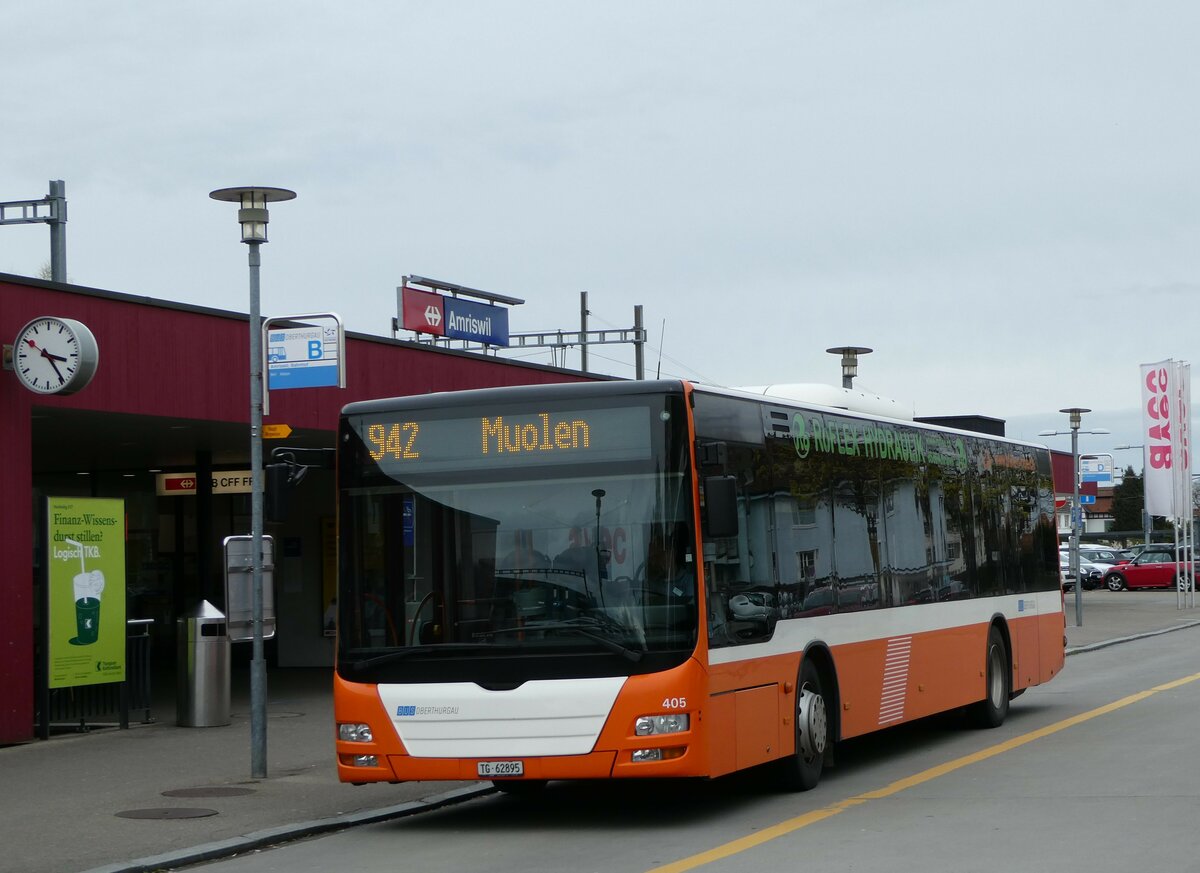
51 358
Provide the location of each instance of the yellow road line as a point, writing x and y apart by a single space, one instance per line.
816 815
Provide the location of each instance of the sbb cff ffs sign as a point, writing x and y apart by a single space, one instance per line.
454 317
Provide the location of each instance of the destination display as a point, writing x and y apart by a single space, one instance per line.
423 444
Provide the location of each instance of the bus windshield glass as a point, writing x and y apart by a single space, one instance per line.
531 539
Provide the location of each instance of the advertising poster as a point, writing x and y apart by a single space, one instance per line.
86 579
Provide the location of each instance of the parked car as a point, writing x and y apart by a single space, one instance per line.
1102 555
1153 568
1093 575
1132 552
1105 559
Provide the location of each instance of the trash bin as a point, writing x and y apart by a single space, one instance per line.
203 691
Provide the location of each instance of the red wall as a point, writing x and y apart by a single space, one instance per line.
159 359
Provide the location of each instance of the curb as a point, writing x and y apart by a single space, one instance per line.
286 833
1104 644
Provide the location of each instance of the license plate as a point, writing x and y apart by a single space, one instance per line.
497 769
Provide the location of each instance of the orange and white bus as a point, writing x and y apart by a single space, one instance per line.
658 579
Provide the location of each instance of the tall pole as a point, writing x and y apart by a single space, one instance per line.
639 344
583 329
258 665
58 230
253 217
1076 519
51 210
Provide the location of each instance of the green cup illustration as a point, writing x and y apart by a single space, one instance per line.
89 585
87 621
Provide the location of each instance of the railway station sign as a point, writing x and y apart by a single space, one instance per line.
454 317
184 484
478 322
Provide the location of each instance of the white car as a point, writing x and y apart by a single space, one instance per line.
1093 574
1091 555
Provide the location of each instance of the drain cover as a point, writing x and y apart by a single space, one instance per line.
210 791
168 812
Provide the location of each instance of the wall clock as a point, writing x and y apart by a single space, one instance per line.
55 355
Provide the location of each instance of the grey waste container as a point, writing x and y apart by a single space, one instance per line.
202 699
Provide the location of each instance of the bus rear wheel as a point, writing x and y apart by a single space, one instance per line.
992 710
802 771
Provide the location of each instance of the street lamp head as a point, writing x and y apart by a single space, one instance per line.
253 215
1076 413
850 355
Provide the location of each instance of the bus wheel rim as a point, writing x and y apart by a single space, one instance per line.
813 722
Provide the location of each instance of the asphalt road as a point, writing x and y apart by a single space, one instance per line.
1094 772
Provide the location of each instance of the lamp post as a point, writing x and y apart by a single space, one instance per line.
253 217
1145 515
850 356
1076 419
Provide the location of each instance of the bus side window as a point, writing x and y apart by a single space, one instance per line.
740 568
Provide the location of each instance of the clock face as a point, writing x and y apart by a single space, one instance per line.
55 355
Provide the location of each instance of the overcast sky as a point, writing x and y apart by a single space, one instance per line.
999 198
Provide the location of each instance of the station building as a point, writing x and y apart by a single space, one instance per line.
171 397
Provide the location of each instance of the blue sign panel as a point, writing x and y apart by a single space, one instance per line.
408 520
302 357
477 322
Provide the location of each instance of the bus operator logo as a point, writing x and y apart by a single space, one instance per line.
800 436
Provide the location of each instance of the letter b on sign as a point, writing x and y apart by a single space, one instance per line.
315 350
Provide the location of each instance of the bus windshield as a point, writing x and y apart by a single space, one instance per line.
524 540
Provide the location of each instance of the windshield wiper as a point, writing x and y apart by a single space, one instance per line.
401 654
578 626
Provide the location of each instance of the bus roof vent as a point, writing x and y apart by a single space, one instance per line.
852 399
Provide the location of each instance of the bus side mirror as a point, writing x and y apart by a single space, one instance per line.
720 506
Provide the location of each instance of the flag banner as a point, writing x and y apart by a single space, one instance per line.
1166 398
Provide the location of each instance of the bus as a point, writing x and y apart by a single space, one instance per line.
655 579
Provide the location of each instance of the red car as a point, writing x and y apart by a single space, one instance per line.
1153 568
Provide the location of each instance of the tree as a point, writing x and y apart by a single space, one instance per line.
1128 501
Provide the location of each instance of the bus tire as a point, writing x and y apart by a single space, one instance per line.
802 771
520 787
992 710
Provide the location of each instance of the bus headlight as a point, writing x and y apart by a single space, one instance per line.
649 725
641 756
355 733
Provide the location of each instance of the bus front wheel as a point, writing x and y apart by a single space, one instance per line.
802 771
992 710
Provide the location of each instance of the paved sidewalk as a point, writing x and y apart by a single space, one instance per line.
1111 617
61 800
